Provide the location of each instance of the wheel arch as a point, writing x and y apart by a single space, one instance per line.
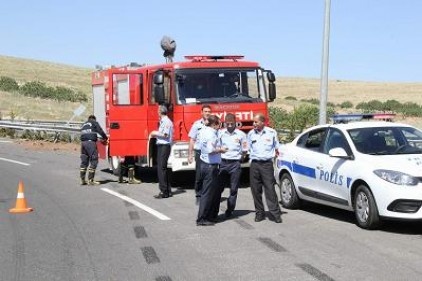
355 186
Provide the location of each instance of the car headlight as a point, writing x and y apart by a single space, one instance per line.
180 153
396 177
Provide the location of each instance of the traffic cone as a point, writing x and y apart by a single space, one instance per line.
21 206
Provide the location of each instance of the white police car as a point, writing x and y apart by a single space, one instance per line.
371 168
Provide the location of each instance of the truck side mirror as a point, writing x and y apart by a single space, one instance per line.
159 95
271 87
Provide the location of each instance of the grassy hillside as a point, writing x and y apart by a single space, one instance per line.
24 70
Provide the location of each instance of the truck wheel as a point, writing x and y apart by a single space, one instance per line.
115 165
366 210
288 195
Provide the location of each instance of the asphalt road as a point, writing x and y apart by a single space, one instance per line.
120 232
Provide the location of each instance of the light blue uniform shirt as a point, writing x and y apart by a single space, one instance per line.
262 145
166 127
209 141
235 142
197 126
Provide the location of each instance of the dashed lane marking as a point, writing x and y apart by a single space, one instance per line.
14 161
137 204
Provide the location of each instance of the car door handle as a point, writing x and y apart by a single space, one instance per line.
114 125
320 166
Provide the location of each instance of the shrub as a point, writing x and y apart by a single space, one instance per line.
346 104
290 98
8 84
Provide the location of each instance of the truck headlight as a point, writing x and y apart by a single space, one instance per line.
397 177
180 153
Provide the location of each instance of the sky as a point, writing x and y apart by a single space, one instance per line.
370 40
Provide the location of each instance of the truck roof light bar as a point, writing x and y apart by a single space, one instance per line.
199 58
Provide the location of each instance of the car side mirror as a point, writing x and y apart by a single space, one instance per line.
339 152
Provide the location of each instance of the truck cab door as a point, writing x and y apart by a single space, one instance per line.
127 113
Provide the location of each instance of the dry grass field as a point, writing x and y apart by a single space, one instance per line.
24 70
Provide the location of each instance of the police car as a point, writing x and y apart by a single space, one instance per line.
371 168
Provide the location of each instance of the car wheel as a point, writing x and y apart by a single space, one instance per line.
366 210
288 195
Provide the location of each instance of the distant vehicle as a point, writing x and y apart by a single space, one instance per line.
371 168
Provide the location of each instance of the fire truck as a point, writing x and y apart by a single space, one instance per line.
126 101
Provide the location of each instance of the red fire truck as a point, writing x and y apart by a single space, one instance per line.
126 100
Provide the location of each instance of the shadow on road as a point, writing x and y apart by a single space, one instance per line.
392 226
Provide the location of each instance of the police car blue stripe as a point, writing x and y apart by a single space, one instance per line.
296 168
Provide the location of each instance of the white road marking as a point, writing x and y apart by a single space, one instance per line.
137 204
5 141
14 161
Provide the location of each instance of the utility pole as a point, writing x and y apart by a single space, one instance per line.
324 67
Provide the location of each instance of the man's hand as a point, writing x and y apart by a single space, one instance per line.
190 159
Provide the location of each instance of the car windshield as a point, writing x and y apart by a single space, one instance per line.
220 86
387 140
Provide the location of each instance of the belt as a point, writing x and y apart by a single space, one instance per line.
162 144
262 161
213 164
230 160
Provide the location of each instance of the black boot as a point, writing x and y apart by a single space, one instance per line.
83 174
131 176
91 174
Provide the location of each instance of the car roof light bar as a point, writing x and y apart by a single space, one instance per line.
346 118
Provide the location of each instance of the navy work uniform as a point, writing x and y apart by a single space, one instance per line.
163 153
89 152
262 147
230 168
209 172
196 128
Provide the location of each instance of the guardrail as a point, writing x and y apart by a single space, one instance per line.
52 127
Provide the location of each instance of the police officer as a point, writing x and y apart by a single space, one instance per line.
263 142
164 137
210 158
194 146
235 141
89 152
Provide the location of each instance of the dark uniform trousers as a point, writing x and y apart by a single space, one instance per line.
262 176
198 175
163 153
210 193
89 154
230 171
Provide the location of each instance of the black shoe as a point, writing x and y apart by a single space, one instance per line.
228 214
278 219
205 223
259 217
161 196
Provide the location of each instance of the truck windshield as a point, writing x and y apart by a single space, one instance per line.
220 86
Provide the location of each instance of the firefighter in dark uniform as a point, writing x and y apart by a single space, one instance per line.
89 152
263 142
128 164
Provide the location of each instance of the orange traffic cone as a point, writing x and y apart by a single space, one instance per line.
21 206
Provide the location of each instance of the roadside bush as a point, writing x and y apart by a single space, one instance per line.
39 89
277 115
290 98
8 84
346 104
